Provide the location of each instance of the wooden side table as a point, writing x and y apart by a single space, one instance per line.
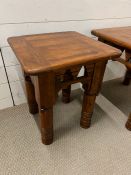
51 62
119 37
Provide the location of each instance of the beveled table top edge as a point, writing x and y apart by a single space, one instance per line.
99 33
41 70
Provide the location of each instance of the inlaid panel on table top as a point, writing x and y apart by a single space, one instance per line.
118 35
52 51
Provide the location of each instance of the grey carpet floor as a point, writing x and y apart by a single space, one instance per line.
103 149
118 94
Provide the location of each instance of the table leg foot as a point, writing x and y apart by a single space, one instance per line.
128 123
85 120
47 136
46 124
33 108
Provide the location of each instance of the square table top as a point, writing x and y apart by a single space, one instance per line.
120 36
54 51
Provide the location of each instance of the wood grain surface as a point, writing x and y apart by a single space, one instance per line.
52 51
118 35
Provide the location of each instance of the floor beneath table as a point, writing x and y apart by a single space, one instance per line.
104 149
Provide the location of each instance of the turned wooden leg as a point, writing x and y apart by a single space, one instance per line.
127 78
128 123
128 72
33 107
46 98
66 94
87 110
91 90
46 125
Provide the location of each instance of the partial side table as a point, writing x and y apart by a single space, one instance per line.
118 37
51 62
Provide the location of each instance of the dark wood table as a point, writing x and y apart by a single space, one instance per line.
119 37
51 62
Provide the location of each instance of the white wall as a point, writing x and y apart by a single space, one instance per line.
19 17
